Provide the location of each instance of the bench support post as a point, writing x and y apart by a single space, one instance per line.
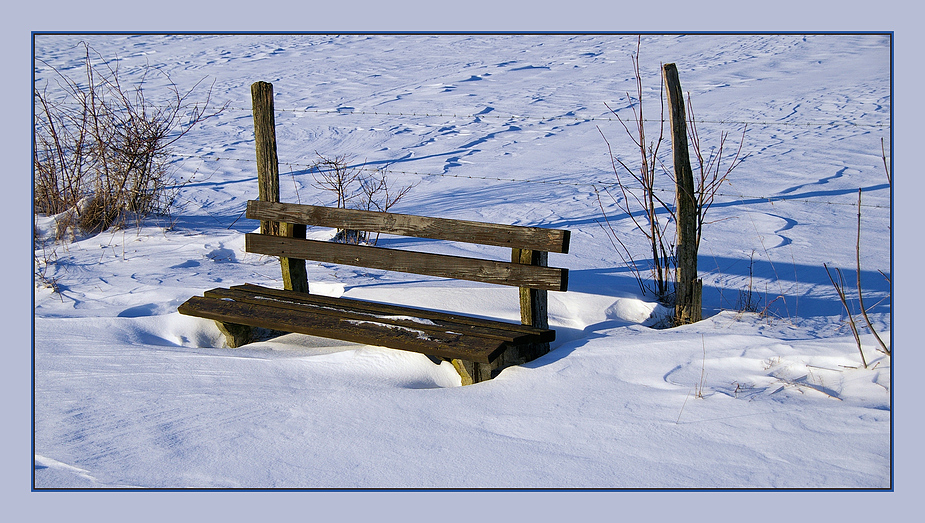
533 302
473 372
295 277
235 335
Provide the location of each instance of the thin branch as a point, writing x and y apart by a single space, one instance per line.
841 295
857 251
889 175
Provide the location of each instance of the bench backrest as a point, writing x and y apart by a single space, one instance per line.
529 244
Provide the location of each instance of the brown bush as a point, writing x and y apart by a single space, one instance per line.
96 139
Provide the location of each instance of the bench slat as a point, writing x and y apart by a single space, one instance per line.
457 267
513 236
370 332
397 315
386 308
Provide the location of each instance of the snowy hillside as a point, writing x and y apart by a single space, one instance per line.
505 129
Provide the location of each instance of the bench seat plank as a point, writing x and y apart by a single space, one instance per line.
385 308
407 317
397 327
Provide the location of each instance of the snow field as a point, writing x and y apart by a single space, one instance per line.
128 393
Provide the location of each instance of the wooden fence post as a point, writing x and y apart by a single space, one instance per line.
688 287
295 277
265 137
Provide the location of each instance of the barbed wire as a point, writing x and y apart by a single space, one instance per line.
592 184
345 111
506 116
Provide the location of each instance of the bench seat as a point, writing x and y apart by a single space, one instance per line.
439 334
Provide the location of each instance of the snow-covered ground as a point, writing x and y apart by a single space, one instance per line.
128 393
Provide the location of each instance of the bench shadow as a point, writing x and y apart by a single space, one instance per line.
789 298
568 340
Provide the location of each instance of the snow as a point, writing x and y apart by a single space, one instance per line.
128 393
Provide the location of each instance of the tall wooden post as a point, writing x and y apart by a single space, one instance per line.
295 277
265 137
688 287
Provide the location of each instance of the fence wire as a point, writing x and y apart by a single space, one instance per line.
593 185
605 117
347 111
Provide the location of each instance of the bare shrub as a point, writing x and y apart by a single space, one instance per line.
334 175
710 174
639 191
96 138
356 188
643 209
378 194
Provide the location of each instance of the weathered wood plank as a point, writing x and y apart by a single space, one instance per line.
394 315
385 308
293 271
370 332
513 236
472 372
457 267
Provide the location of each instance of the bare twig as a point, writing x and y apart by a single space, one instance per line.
889 175
703 365
840 289
746 301
336 176
710 180
623 251
643 210
682 408
351 185
870 326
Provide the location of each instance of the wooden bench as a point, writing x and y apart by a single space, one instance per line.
478 348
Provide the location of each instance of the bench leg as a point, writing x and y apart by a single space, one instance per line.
532 351
235 335
472 372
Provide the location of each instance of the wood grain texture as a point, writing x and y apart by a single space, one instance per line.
687 302
405 317
387 308
447 344
533 302
295 277
265 139
440 265
513 236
